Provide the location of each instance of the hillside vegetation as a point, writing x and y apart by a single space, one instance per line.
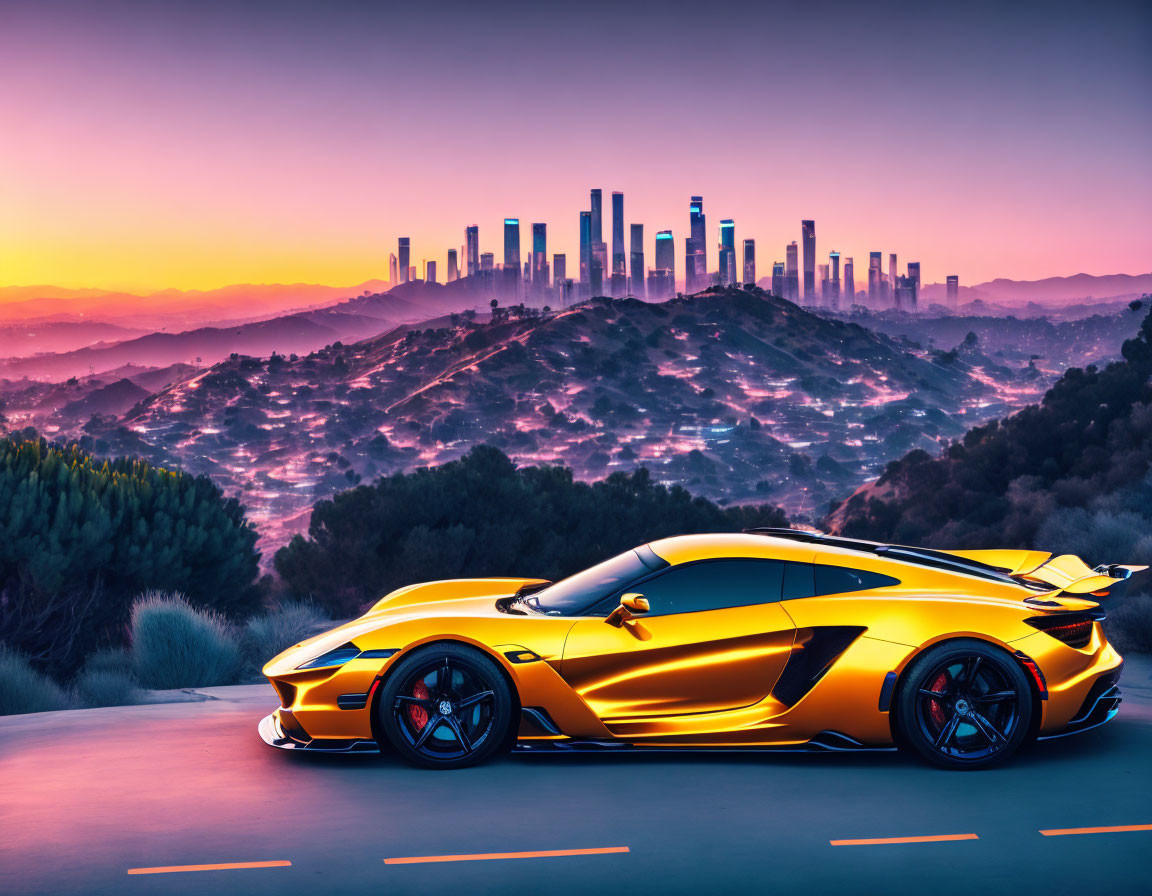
1069 473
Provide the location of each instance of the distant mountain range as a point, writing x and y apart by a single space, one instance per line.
1049 291
170 308
301 332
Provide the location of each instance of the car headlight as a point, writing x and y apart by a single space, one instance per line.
337 657
345 652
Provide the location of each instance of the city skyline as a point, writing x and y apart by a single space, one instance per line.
189 146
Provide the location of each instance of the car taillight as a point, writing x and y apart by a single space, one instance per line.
1073 629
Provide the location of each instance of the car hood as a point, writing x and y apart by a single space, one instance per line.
454 597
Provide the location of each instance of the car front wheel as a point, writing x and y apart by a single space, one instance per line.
446 706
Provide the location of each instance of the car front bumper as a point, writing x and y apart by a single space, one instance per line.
291 737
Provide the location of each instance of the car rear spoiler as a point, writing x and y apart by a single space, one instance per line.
1065 573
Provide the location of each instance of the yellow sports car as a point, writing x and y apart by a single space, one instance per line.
774 638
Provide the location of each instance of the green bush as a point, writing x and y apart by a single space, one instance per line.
23 689
270 633
107 679
80 537
1129 624
174 645
483 516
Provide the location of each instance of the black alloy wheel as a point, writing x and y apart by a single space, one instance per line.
446 706
964 705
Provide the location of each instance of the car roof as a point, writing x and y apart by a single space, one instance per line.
814 547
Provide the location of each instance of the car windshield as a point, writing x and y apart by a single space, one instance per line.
571 595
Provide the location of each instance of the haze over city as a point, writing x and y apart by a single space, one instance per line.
190 146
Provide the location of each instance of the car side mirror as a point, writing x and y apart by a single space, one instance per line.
630 605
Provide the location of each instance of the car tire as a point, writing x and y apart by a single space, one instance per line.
964 704
446 706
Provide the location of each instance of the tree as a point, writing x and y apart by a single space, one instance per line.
80 537
483 516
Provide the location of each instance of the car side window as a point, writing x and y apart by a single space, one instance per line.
710 585
798 581
842 579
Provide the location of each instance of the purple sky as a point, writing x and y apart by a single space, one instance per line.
151 144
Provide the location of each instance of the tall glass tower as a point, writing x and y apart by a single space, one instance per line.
585 246
619 259
472 249
597 216
808 238
727 251
636 259
403 253
750 261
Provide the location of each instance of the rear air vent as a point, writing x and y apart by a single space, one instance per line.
1074 629
815 651
286 691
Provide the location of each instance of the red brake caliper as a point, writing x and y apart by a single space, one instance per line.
418 714
935 708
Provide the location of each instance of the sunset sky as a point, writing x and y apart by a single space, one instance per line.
146 145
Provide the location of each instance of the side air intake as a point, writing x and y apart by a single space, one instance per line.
815 651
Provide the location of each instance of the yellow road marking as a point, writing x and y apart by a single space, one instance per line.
880 841
1113 829
221 866
483 856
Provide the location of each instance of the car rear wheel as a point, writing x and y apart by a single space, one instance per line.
964 705
446 706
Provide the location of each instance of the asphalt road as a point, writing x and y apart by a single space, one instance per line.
85 796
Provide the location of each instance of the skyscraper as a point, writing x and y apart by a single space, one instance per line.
429 272
892 274
696 270
619 259
402 259
952 290
597 267
727 251
636 260
824 285
874 279
849 283
778 278
914 276
597 216
512 244
487 261
392 269
808 238
904 294
834 280
539 258
472 248
791 273
453 266
662 279
585 245
750 261
559 269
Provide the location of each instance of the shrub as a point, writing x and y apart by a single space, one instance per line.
107 679
175 645
1129 624
23 689
270 633
106 687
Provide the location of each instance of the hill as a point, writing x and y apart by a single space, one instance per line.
737 395
1070 473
